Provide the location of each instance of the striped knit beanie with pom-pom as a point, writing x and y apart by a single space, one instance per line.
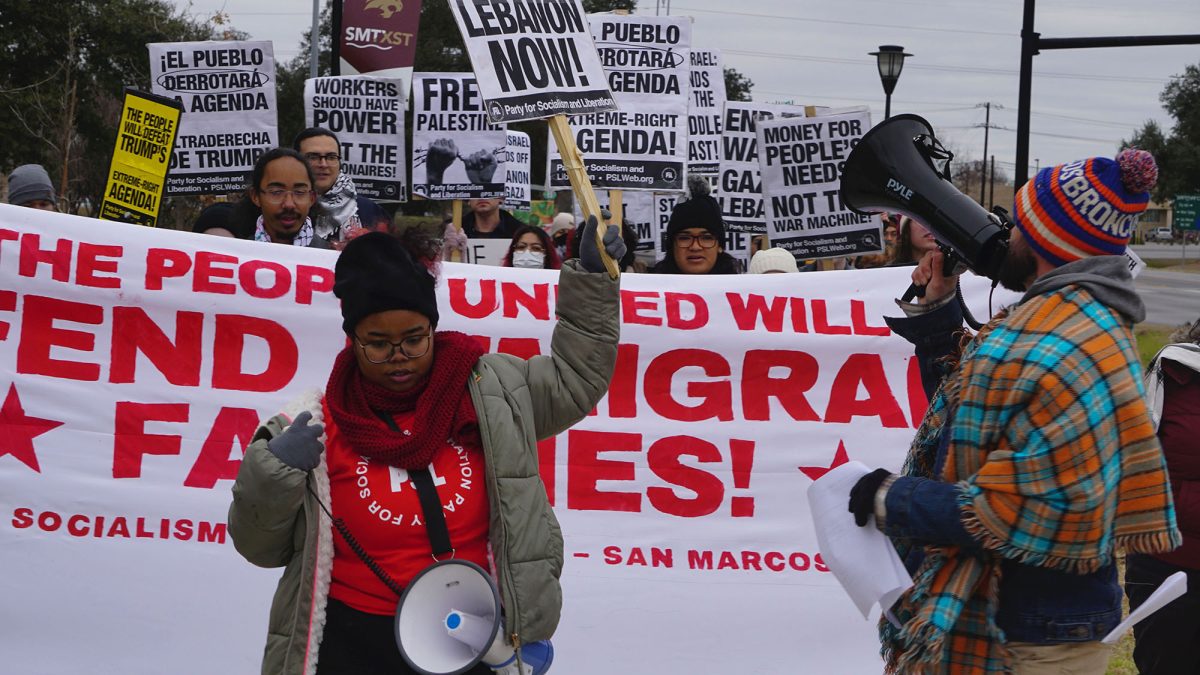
1085 208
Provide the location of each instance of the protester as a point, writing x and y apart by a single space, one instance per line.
695 236
773 261
1165 642
339 210
217 219
488 221
561 228
404 398
1037 458
531 248
281 189
29 186
915 240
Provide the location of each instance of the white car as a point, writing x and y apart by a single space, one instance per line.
1160 234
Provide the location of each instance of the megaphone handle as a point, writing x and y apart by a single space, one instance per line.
914 291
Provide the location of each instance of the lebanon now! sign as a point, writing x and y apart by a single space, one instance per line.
138 362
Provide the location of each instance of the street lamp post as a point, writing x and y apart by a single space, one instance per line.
890 59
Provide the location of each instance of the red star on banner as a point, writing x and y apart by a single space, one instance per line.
839 458
17 430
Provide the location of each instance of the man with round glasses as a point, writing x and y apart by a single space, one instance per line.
281 187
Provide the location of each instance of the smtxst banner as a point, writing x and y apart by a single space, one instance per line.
377 37
457 152
139 362
227 90
739 188
367 114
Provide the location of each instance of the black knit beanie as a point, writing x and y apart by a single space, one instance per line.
699 211
376 273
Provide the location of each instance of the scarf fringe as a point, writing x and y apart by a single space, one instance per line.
1151 542
1002 547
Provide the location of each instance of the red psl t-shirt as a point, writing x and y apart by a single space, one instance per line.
380 507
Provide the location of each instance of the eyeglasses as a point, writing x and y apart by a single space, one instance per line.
382 351
536 248
278 196
705 240
317 158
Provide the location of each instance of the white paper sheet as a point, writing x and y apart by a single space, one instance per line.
861 558
1171 588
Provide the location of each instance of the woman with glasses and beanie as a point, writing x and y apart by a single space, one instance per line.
695 236
422 447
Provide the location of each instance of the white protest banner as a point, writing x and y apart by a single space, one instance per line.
801 162
642 146
706 104
534 58
138 362
740 188
367 114
487 251
457 152
227 90
518 161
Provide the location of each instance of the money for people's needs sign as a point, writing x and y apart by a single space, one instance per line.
534 58
227 90
801 162
457 152
136 175
739 188
378 37
138 362
518 164
644 144
367 115
706 105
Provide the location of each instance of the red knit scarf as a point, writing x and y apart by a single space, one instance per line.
442 404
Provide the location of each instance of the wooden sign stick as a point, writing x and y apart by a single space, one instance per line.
616 205
581 184
457 216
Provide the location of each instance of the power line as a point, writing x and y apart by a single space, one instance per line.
850 23
951 69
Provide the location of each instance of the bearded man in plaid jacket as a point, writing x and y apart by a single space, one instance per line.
1037 460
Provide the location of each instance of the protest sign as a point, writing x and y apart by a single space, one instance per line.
534 59
643 145
136 175
637 209
377 37
706 104
367 114
486 251
740 187
138 363
518 163
227 90
457 152
801 162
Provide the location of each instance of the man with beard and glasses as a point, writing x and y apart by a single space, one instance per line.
338 210
1037 459
281 189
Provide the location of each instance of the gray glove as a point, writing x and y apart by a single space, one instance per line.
298 446
589 254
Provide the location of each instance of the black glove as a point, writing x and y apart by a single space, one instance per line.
862 495
589 253
298 446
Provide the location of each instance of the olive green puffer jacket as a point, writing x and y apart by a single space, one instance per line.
275 520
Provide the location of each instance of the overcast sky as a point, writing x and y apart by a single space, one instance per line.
965 53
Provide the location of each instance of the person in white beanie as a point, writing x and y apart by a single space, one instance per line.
773 261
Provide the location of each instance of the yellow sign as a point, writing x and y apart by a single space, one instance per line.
145 140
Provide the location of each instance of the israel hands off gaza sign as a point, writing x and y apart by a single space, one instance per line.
533 59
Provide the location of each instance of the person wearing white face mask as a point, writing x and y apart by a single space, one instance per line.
532 248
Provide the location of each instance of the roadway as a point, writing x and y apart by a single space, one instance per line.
1171 298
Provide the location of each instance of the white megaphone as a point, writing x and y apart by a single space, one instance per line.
449 620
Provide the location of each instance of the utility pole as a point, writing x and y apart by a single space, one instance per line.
987 127
992 196
314 40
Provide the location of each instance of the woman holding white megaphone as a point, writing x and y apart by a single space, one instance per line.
420 449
